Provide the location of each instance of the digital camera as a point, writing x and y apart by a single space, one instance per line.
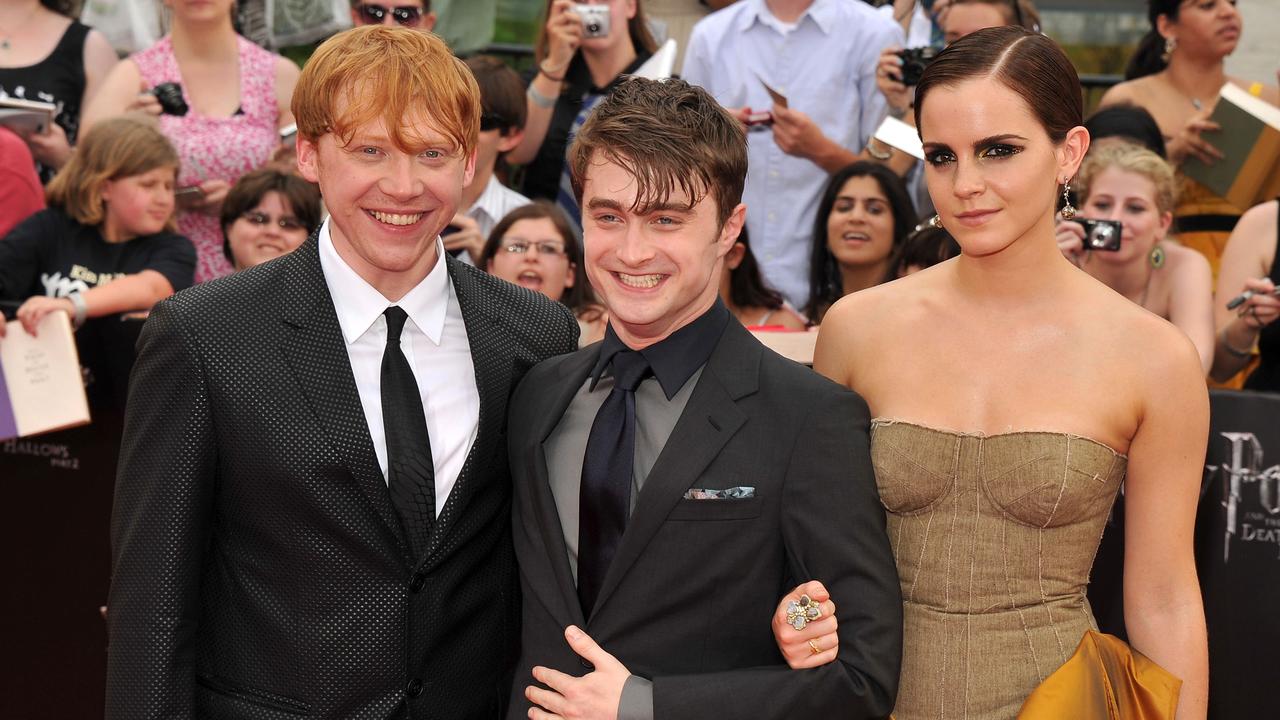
1101 234
170 97
914 61
595 19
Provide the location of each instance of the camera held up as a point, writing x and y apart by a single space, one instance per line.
1101 234
595 19
914 61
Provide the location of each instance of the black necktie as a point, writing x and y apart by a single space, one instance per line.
410 472
605 495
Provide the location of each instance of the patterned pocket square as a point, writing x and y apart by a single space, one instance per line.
733 493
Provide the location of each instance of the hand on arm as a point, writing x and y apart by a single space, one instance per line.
594 696
817 643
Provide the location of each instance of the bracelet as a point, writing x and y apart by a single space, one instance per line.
1226 344
82 310
550 75
879 155
538 98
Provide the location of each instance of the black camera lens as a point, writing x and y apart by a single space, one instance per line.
169 95
593 27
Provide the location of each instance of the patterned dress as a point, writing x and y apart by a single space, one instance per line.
222 148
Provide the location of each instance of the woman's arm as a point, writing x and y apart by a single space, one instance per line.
139 291
1191 301
1162 607
1246 260
286 79
564 35
121 92
99 59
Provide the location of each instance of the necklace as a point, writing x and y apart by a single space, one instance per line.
5 41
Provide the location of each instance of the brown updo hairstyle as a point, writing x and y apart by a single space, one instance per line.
1030 64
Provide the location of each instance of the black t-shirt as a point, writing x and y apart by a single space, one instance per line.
58 79
51 254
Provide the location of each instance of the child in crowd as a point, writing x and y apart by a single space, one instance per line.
535 247
105 245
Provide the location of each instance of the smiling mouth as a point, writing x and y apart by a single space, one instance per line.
642 282
397 219
529 279
855 237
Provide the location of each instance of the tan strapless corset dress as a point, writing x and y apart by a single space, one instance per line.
994 537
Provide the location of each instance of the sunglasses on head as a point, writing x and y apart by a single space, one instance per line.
405 15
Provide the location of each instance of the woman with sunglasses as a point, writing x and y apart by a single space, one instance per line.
575 69
223 118
268 213
405 13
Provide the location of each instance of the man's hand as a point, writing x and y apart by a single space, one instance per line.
594 696
889 81
797 134
467 237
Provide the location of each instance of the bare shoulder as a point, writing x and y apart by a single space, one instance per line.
1183 261
1267 92
1129 91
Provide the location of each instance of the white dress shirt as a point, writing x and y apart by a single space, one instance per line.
434 341
825 65
493 204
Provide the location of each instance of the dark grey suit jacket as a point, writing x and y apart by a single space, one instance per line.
688 599
260 570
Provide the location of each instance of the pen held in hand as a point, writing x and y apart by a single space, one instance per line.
1243 298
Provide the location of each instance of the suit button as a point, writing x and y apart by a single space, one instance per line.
417 581
583 662
414 688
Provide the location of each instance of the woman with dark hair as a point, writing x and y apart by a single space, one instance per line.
744 292
1176 74
1012 394
1126 122
534 246
864 214
47 55
575 68
268 213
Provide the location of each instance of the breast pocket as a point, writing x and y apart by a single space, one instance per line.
723 509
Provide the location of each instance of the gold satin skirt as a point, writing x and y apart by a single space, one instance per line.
1105 680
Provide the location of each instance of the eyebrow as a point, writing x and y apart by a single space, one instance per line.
601 203
984 142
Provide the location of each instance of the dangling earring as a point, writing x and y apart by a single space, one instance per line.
1156 257
1170 44
1068 211
936 222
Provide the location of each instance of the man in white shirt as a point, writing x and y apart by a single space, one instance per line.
485 200
312 515
820 55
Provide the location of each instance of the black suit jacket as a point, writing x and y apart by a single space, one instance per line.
259 568
688 599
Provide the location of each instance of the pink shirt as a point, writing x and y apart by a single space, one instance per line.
221 148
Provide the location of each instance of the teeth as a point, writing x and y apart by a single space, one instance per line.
856 236
640 281
395 219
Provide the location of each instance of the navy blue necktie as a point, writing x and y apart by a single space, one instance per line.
604 500
411 474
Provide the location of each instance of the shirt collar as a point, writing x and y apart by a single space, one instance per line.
675 358
488 202
358 304
823 13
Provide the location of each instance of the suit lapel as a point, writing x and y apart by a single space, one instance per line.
316 353
710 419
573 373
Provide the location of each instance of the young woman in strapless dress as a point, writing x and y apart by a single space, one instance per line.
1014 394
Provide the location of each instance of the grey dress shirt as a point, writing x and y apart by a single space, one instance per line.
677 364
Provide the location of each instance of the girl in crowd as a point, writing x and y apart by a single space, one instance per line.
745 293
1132 185
864 214
534 246
1176 75
105 244
574 72
268 213
1012 395
234 96
47 55
1249 266
924 248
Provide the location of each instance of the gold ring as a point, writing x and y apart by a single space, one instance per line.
813 647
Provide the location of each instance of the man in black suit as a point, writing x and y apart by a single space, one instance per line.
674 480
312 513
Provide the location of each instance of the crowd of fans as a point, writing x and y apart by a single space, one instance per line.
173 165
